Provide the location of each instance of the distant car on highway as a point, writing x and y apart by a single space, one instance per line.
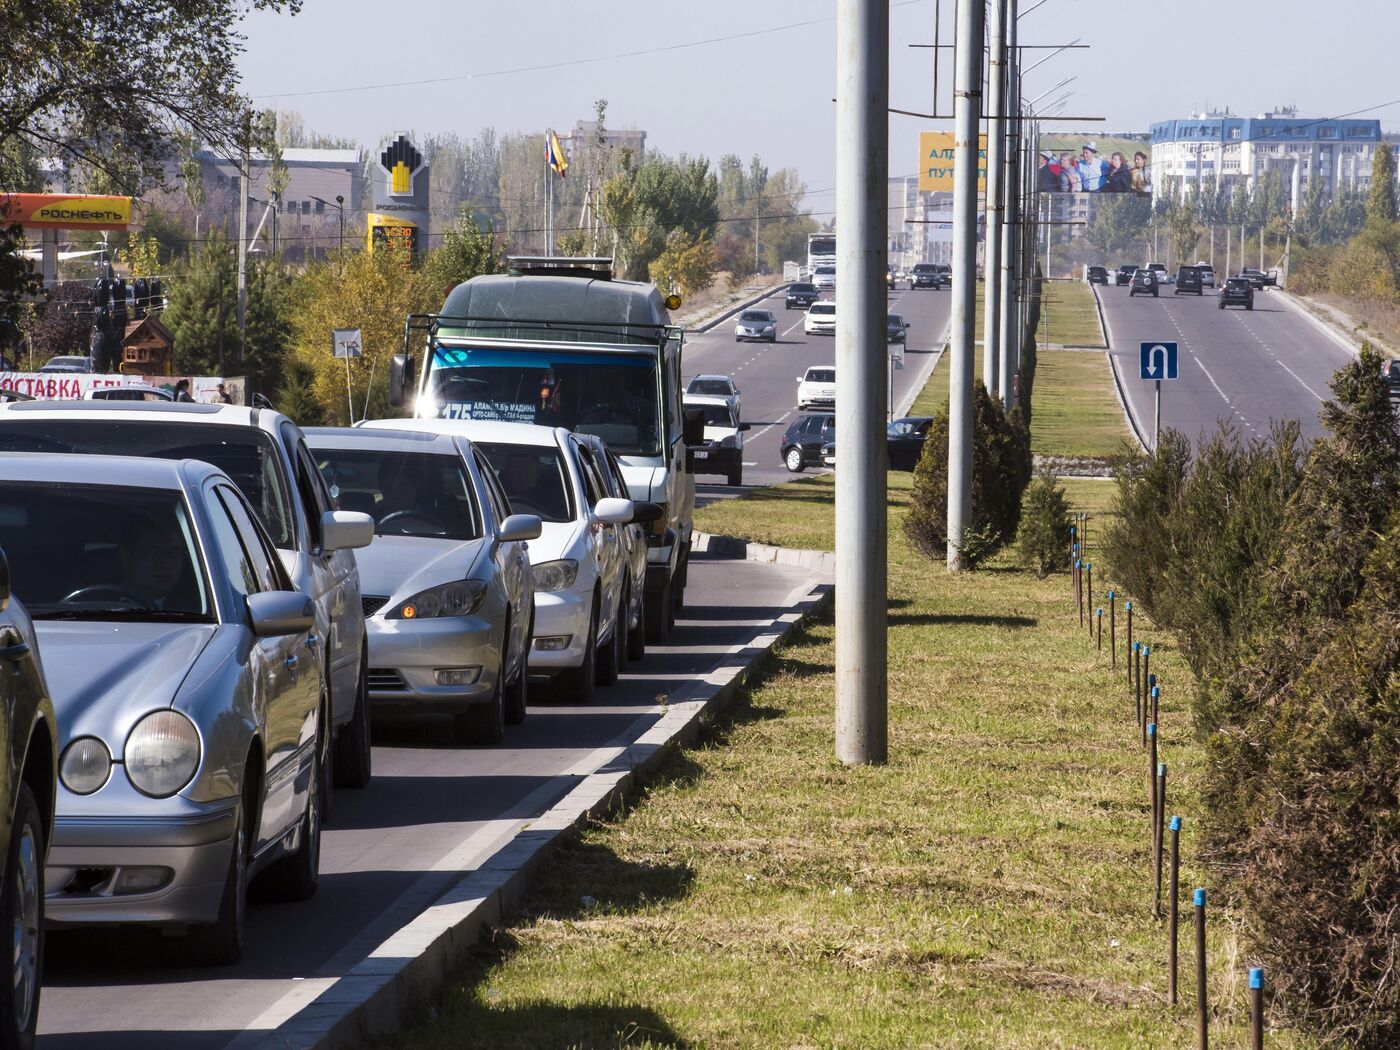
1390 372
1097 275
760 325
67 364
722 451
1237 291
1207 272
800 296
190 690
816 388
896 328
1144 282
130 392
904 439
926 275
1258 279
1124 274
447 593
1188 279
804 438
1160 271
820 319
28 789
716 386
824 277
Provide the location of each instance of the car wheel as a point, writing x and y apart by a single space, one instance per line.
517 695
610 656
295 878
658 615
1249 306
482 724
221 943
637 636
578 684
353 761
1154 295
22 912
736 475
793 460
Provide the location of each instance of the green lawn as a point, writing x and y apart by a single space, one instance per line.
1076 412
988 887
1070 317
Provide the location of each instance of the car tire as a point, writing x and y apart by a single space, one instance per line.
1154 294
736 476
658 615
482 724
610 656
516 700
295 878
221 942
792 459
22 912
1249 306
637 636
353 761
578 684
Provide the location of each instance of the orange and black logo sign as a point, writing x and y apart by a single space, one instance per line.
402 162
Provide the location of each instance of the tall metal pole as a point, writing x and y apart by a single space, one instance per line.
992 317
1011 324
862 136
967 103
245 173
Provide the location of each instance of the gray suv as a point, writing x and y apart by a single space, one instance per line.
266 456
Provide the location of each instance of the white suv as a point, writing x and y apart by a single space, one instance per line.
816 388
821 318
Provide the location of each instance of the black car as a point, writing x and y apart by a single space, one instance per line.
1237 292
1144 281
1188 279
1124 274
925 275
1390 372
1098 275
803 440
801 296
28 789
905 440
1258 279
896 328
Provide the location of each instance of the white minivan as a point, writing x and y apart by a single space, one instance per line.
816 388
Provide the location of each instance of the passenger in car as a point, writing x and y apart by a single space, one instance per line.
152 560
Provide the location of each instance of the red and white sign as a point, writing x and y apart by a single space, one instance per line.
73 386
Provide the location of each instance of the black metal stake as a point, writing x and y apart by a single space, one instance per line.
1157 838
1134 664
1202 1006
1152 777
1256 1008
1142 689
1089 589
1098 630
1073 548
1079 591
1113 629
1128 642
1174 862
1156 692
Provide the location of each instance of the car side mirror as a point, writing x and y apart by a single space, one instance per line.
519 527
277 613
400 379
693 427
644 513
346 530
612 510
745 426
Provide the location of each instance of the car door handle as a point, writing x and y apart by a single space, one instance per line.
312 640
293 661
13 647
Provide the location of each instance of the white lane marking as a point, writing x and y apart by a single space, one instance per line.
1241 318
1186 344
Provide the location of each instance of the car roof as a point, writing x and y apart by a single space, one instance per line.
374 437
711 375
165 411
831 366
825 302
475 430
704 399
130 471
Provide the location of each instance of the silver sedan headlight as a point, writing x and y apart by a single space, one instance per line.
162 753
459 598
555 575
85 766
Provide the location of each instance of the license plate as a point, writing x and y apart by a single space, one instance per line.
702 455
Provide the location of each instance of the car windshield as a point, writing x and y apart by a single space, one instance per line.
755 315
103 552
407 493
534 478
714 415
1238 283
613 395
244 453
717 387
821 375
822 308
826 269
800 289
896 321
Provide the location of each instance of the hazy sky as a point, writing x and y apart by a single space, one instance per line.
770 92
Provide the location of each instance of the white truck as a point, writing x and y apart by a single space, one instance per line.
558 342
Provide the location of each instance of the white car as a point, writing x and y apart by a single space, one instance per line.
1207 274
447 593
824 277
128 392
756 324
816 388
723 449
715 386
578 564
821 318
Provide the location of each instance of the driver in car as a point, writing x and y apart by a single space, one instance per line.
525 483
152 560
399 496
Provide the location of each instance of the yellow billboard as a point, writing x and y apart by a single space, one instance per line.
936 161
66 211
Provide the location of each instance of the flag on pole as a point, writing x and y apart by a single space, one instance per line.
554 154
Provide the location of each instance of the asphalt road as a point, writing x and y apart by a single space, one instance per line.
766 373
1243 367
433 811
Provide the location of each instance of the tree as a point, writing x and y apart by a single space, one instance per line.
466 251
688 263
645 204
1381 206
202 308
18 277
1120 223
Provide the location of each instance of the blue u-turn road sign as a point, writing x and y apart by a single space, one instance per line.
1157 360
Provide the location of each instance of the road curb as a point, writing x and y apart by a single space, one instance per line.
1118 390
409 970
730 311
732 547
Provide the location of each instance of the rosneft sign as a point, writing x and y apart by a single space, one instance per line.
399 215
66 211
402 162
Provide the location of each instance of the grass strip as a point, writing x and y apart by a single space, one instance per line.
1070 316
1075 412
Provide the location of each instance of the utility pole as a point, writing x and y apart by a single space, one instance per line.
1010 333
994 276
967 104
245 173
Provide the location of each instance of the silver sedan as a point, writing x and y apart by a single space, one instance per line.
447 586
189 688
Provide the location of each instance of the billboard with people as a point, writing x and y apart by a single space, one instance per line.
1120 165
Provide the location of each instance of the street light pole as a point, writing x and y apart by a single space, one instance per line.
1009 332
992 317
967 104
862 137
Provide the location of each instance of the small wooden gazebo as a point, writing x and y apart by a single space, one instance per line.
148 348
